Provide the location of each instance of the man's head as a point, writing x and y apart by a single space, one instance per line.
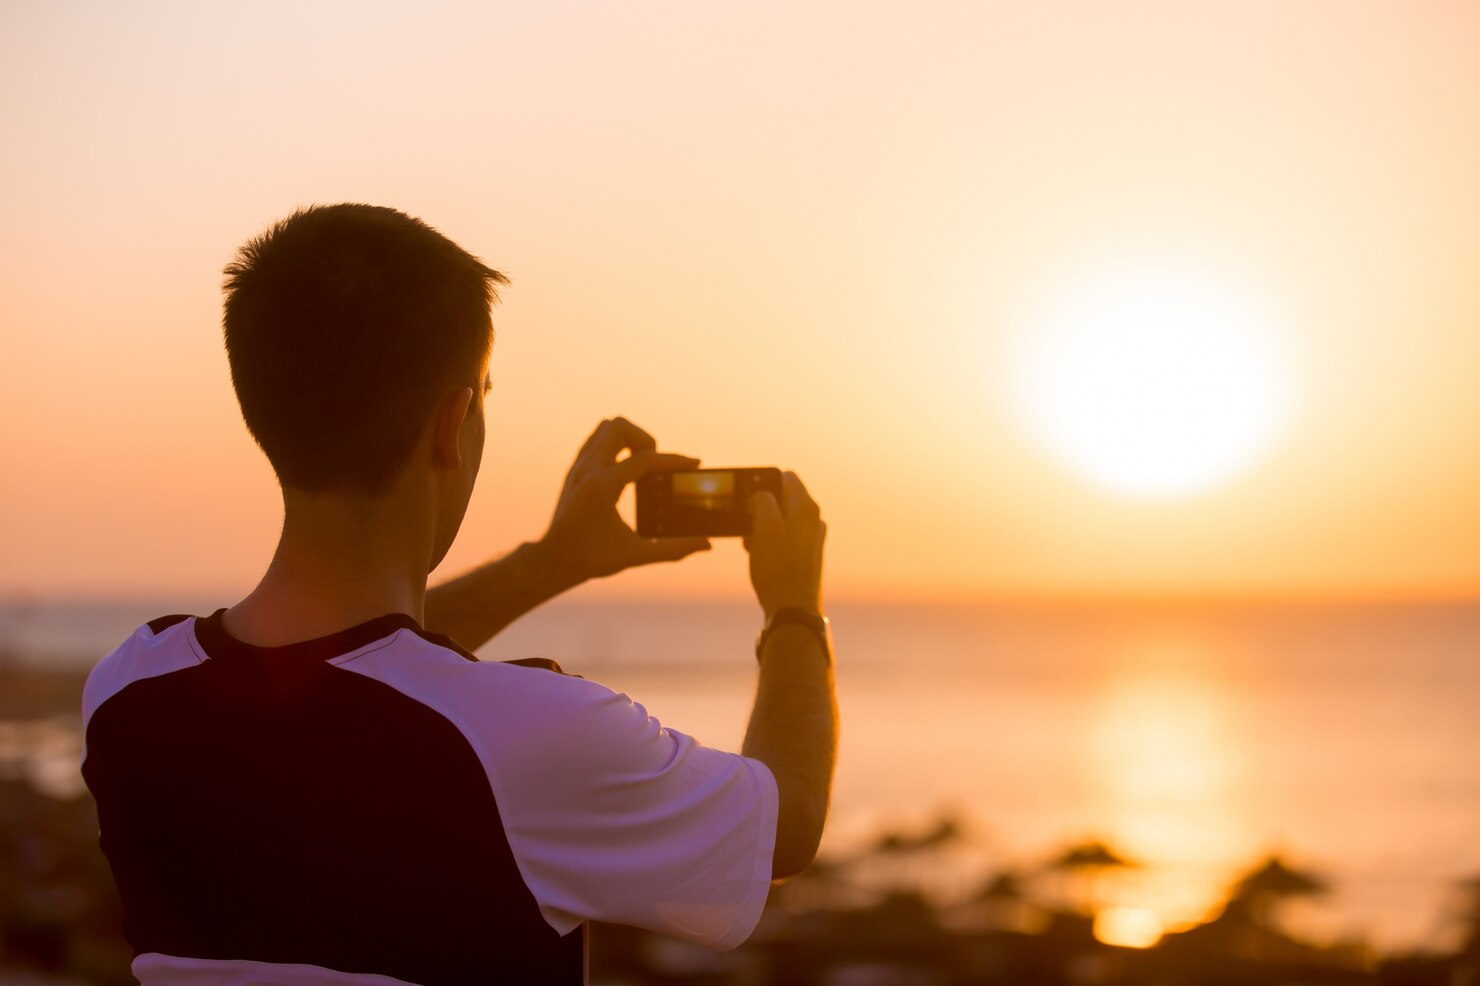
347 327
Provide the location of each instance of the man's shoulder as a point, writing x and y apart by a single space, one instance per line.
160 624
524 703
448 644
159 647
429 664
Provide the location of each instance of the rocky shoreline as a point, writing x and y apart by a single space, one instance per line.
62 924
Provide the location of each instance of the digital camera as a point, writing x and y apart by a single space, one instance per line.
702 502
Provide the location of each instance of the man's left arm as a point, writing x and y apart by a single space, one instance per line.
474 607
587 539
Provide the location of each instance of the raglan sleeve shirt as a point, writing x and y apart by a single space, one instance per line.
609 815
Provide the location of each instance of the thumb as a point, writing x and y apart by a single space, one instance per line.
765 514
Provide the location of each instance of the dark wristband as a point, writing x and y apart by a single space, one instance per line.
794 616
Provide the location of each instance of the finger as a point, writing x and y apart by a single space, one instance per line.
672 549
589 457
639 464
795 498
765 515
620 434
633 437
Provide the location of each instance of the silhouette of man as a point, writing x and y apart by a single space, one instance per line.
321 785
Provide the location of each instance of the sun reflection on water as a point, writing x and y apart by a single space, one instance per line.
1166 779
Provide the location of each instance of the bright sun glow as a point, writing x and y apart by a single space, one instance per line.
1152 379
1129 927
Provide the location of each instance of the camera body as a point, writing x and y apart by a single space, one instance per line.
701 502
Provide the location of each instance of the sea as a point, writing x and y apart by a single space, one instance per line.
1193 740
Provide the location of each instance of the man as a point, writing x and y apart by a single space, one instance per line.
321 785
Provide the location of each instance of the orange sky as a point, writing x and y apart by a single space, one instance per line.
797 236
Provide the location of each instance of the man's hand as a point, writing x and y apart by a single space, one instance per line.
794 725
785 546
587 537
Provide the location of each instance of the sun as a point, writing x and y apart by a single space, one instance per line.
1151 380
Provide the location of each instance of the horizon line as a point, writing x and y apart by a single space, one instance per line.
12 597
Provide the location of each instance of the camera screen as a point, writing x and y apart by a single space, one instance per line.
704 490
703 502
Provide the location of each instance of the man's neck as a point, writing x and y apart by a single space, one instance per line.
339 562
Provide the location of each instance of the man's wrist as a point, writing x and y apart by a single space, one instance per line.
549 566
806 605
805 619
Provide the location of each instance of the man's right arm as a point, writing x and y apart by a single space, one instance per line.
794 725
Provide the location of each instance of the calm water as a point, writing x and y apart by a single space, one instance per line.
1194 740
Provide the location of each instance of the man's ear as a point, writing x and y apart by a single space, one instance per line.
447 428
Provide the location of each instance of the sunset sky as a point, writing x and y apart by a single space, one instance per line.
820 236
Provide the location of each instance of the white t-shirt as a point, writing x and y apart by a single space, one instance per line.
379 806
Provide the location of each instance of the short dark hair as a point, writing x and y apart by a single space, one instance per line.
345 325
